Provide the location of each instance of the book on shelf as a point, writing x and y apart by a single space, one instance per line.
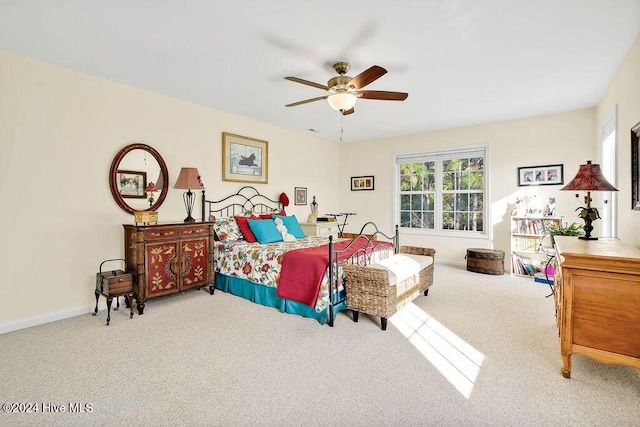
541 277
523 225
525 266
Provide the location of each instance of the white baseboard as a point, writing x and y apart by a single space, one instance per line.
40 320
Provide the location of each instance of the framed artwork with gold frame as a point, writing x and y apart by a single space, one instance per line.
244 159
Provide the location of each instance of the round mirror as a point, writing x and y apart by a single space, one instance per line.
138 178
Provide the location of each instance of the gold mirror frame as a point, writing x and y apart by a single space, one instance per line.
113 177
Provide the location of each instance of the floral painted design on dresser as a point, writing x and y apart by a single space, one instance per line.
161 269
195 266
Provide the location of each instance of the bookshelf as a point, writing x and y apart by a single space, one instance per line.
528 255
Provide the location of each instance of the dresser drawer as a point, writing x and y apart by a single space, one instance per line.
163 233
327 230
194 231
321 229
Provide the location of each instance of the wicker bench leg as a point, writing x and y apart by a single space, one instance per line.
383 323
355 315
426 292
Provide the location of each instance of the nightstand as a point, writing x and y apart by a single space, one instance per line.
322 229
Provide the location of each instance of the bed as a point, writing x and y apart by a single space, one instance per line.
301 276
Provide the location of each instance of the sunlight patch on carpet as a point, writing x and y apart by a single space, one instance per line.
453 357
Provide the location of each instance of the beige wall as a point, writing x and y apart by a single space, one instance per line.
552 139
60 130
624 90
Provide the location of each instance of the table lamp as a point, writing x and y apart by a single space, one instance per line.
589 178
189 179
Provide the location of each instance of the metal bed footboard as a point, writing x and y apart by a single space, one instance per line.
361 256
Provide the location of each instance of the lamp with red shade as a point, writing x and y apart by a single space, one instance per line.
589 178
152 188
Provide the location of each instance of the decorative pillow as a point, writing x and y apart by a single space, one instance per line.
269 215
244 227
265 230
227 230
291 222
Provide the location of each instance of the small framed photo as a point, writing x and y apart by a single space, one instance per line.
540 175
132 184
244 159
300 195
361 183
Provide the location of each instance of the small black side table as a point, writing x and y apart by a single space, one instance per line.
114 283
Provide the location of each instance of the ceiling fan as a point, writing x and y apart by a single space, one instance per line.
343 91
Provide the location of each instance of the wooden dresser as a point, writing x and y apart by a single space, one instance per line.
169 258
597 298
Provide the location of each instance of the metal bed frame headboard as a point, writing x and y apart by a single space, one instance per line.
247 199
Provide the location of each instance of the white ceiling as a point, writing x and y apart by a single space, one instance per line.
462 62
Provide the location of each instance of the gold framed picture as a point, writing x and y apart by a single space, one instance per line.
244 159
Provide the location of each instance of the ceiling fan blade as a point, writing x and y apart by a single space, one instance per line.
367 76
306 101
307 82
382 95
349 111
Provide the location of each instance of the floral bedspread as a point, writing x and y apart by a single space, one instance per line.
261 263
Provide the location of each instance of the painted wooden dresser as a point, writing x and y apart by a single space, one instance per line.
597 298
169 258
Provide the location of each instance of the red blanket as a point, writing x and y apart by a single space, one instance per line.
303 269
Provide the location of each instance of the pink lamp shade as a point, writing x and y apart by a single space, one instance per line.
189 179
589 178
159 183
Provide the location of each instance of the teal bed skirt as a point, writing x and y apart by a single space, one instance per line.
266 295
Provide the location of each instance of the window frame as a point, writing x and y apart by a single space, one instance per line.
439 155
609 166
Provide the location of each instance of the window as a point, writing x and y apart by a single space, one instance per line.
608 165
441 191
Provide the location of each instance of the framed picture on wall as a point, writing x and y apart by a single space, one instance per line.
300 195
361 183
244 159
131 184
540 175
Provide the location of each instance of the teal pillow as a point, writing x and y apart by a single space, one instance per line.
265 230
291 222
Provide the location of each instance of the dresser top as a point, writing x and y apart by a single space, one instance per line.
596 254
171 224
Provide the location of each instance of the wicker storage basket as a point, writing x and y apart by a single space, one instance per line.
368 290
487 261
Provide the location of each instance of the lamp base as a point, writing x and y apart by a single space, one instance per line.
587 238
189 198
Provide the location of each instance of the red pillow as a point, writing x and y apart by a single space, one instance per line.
243 225
268 216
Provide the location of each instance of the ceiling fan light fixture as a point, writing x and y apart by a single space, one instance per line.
342 101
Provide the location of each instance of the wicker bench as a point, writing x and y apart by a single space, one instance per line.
382 288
